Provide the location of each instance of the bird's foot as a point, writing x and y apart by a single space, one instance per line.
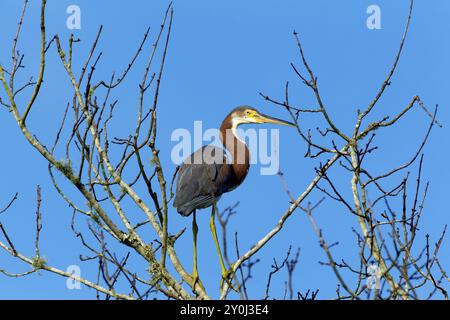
196 281
227 277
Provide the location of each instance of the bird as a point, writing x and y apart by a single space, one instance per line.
208 173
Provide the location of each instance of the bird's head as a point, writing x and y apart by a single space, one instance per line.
247 114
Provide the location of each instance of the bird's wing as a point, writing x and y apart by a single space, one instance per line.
197 181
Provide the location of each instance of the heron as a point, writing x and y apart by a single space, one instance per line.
208 173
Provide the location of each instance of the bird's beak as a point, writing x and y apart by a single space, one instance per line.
262 118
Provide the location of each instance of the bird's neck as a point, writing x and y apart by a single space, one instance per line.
238 149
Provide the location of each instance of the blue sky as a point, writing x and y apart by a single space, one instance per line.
221 55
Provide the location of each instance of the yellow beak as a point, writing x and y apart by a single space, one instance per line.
262 118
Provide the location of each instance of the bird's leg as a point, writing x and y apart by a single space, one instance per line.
225 274
212 225
195 276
